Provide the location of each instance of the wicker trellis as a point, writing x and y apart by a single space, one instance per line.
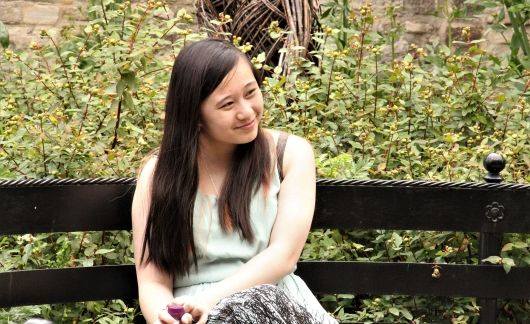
252 18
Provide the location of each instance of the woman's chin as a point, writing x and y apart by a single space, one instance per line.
247 137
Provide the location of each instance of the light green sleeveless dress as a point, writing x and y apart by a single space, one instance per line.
221 254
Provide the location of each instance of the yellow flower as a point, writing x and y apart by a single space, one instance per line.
466 31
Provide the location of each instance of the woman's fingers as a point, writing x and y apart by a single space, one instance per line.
196 312
186 319
165 318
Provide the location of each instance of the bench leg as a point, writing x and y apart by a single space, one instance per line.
490 244
488 310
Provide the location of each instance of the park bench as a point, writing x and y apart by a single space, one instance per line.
47 206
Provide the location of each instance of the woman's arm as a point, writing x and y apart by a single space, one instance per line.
155 288
296 204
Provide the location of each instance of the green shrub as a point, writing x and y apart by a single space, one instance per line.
433 114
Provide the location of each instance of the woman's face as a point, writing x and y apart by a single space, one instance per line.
232 112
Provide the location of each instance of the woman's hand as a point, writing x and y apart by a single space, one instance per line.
196 309
165 318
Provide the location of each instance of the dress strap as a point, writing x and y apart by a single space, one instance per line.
280 149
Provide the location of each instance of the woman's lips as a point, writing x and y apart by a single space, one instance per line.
247 126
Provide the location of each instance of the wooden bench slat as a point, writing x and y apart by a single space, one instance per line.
34 209
48 286
61 208
420 208
376 278
389 278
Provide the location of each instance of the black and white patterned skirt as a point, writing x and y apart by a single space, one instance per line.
265 304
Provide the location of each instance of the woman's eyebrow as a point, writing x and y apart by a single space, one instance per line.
223 98
251 82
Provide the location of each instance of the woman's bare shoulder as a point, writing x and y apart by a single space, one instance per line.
147 169
294 142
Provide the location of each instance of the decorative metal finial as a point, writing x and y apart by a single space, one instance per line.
494 163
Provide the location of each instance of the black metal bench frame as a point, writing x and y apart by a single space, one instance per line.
69 205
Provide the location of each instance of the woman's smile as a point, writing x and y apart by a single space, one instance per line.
248 126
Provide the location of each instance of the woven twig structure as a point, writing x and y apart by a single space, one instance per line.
252 18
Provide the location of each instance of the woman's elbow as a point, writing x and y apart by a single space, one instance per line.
288 262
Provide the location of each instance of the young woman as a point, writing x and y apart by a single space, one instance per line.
222 211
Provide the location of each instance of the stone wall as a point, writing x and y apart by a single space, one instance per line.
424 21
25 19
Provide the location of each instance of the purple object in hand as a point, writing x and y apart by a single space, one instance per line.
176 311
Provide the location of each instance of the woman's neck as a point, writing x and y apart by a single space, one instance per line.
217 155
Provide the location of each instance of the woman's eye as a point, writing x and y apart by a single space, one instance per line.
227 105
251 92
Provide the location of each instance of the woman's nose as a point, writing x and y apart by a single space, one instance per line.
245 111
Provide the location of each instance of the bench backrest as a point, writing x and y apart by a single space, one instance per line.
46 206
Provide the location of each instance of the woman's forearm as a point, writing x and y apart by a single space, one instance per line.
153 298
268 267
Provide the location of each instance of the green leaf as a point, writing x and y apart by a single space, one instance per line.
408 58
274 35
130 80
507 247
494 259
4 35
515 44
88 29
28 250
398 240
120 86
261 57
525 61
394 311
507 264
501 14
89 250
328 298
135 128
407 314
128 100
326 13
104 251
87 262
111 255
520 245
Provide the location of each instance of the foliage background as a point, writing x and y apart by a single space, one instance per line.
91 105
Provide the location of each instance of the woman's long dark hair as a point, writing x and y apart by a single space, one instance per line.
197 71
